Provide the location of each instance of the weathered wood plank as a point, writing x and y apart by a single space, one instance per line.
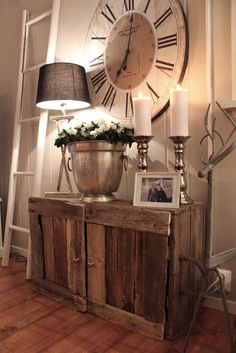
36 245
76 257
126 215
187 239
126 268
60 253
72 253
126 319
139 274
59 293
178 274
111 267
120 267
48 248
197 241
60 208
96 262
155 252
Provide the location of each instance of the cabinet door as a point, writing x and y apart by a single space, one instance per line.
127 274
59 257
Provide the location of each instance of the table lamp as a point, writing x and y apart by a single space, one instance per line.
62 86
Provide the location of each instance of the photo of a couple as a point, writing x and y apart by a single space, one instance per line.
157 190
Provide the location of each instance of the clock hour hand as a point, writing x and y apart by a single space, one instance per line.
121 66
124 62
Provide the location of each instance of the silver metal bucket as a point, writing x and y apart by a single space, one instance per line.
97 168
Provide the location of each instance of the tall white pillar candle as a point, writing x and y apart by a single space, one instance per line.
142 116
178 112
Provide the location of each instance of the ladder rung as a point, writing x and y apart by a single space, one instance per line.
38 18
23 173
27 120
20 229
32 68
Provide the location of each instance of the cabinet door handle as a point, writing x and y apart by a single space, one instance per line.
91 263
76 259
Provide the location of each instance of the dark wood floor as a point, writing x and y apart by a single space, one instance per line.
30 323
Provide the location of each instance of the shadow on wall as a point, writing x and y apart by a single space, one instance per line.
153 166
126 190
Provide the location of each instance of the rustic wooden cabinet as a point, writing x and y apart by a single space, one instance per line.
118 261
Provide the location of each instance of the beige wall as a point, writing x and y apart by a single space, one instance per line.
74 21
224 220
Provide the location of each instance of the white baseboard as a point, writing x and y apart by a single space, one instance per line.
19 251
16 249
216 303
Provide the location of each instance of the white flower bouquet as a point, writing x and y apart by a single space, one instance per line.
109 131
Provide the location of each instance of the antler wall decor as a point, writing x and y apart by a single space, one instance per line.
225 149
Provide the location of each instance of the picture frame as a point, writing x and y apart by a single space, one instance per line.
160 190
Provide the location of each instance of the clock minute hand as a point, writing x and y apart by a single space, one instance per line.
129 40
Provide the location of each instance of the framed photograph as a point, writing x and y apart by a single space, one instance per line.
161 190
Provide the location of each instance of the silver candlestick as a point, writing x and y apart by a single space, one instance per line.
142 146
179 145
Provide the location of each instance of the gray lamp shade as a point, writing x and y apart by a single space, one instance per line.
62 86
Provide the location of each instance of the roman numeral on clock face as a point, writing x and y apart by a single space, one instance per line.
109 15
98 80
146 7
165 67
109 97
152 93
94 37
99 60
129 110
129 5
163 17
167 41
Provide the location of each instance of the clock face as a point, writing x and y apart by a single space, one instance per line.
128 71
133 47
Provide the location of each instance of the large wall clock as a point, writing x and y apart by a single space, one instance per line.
135 46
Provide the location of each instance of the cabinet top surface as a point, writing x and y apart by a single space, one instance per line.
119 213
106 206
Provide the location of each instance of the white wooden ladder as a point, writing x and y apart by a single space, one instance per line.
19 121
